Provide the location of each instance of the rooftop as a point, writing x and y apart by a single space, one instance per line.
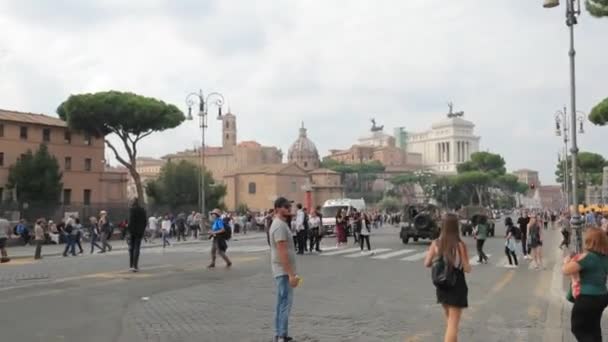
31 118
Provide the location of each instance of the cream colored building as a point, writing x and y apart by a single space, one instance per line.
527 176
148 169
449 142
231 156
86 179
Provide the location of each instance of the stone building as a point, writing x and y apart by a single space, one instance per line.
303 152
449 142
528 176
222 160
86 178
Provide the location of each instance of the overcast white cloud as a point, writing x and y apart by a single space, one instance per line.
332 63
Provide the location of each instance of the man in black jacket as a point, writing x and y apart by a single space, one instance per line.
136 228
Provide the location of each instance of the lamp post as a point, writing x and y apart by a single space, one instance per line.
216 99
573 10
562 128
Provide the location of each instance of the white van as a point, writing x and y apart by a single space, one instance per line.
330 210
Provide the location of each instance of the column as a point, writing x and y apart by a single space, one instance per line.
466 149
448 151
437 153
458 152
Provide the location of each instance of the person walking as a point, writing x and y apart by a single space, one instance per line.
340 228
481 234
152 228
300 228
77 234
180 223
536 242
315 225
522 222
197 223
105 231
218 233
511 243
136 229
592 270
95 234
39 238
453 251
365 232
5 228
564 223
165 230
283 264
69 237
23 232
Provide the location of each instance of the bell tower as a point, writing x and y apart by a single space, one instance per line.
228 131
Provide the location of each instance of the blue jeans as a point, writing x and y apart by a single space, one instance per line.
284 300
69 245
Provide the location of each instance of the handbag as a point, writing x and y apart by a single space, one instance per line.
443 274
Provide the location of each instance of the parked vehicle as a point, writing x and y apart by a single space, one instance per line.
330 210
469 217
419 221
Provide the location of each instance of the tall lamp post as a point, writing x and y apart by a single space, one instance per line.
216 99
573 10
562 128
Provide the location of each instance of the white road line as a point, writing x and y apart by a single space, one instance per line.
415 257
367 253
327 249
393 254
341 251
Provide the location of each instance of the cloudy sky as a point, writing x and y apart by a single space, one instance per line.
333 64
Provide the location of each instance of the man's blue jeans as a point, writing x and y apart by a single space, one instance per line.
284 300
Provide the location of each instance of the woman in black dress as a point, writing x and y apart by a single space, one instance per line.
454 251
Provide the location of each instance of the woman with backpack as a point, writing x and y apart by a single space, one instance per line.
448 250
365 232
511 242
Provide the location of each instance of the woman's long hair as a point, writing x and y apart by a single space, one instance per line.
449 238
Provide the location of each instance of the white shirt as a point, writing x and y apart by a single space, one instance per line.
152 223
300 220
365 231
315 222
166 225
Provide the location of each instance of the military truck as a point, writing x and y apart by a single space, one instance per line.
469 217
419 221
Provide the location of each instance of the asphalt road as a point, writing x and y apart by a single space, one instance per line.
345 296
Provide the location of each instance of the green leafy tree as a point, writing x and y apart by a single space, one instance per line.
179 183
360 173
36 177
590 168
389 204
476 181
484 162
597 8
406 185
128 116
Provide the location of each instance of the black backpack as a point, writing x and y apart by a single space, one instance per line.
443 274
516 232
227 235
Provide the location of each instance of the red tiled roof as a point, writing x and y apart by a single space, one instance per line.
31 118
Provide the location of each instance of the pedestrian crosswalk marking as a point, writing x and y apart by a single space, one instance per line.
342 251
415 257
366 253
393 254
327 249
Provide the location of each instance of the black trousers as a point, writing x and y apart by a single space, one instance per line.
524 244
587 317
181 233
482 255
314 239
511 255
365 238
301 238
38 253
134 247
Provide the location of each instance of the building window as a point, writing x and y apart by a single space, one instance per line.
46 134
227 136
67 196
227 124
68 163
22 156
1 130
87 164
87 196
87 139
23 132
252 188
305 164
67 136
1 158
294 187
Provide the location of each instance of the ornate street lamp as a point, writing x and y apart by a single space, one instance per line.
216 99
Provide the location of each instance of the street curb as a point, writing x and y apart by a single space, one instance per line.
557 301
123 248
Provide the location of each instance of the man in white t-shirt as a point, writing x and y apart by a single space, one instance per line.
152 227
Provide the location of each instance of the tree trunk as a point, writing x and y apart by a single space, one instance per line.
479 196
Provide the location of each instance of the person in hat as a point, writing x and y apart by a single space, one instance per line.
283 263
219 245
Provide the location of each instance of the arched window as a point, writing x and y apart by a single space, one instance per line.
252 188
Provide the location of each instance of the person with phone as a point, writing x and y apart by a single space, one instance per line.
283 263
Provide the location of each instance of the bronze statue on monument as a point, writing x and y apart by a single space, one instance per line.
451 113
376 128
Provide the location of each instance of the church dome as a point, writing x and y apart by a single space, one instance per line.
303 152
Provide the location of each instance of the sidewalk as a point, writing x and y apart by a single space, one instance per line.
26 252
